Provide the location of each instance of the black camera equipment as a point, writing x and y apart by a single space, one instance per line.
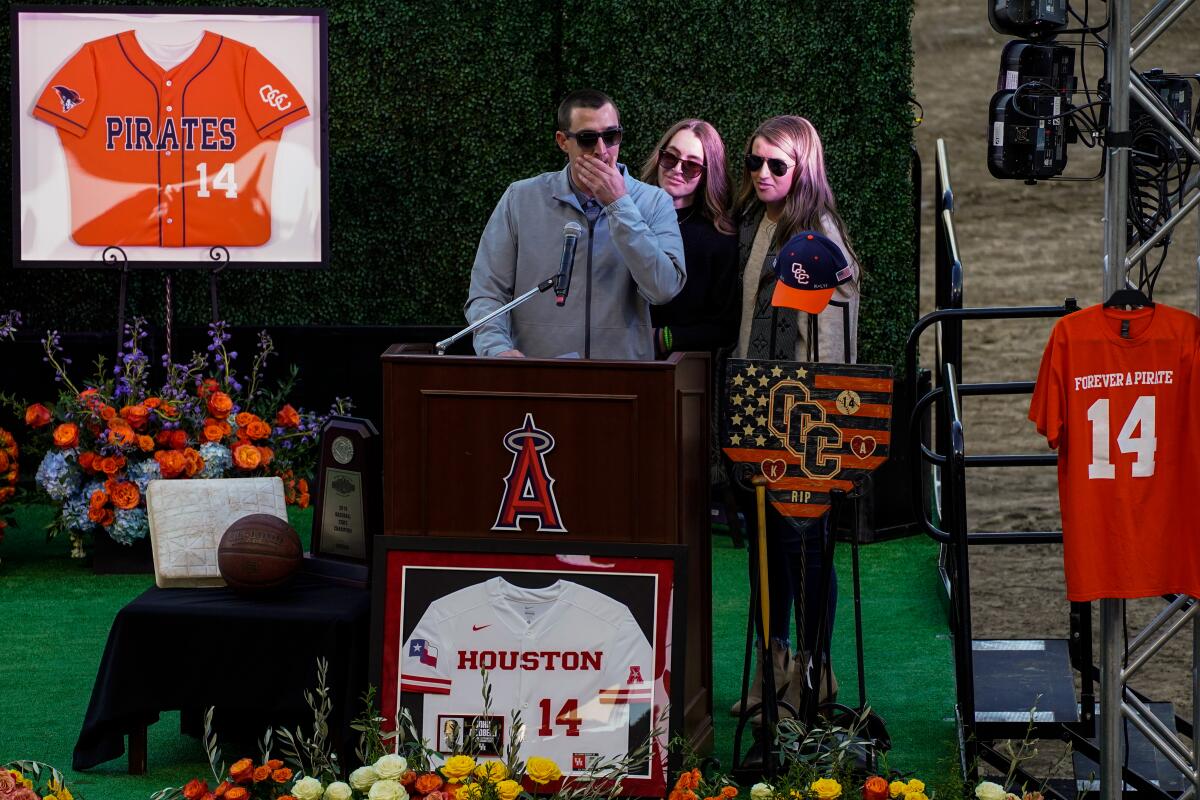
1031 18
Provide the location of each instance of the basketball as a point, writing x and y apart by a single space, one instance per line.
259 552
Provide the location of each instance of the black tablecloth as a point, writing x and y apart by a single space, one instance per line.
252 658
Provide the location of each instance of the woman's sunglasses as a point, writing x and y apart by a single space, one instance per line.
690 169
778 166
587 139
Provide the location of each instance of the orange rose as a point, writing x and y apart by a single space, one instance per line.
219 404
166 410
207 387
221 789
4 461
163 438
274 763
66 435
429 782
244 418
192 462
195 789
408 778
98 498
237 792
267 455
281 775
261 773
212 433
107 413
242 768
257 429
126 495
136 415
154 402
302 486
246 456
6 493
145 443
303 500
178 439
170 462
287 417
37 416
728 792
107 518
107 465
121 433
90 398
876 788
689 780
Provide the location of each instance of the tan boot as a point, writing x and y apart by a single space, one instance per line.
827 685
781 658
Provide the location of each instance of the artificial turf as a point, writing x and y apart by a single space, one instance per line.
56 615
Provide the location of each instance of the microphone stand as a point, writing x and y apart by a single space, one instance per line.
516 301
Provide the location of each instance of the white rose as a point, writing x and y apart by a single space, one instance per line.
990 791
363 777
761 791
391 766
338 791
387 789
307 789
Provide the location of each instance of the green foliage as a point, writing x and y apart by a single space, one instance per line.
436 107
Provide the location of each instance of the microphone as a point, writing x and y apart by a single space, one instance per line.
562 283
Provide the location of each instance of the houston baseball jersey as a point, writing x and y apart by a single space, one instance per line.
572 660
1116 396
179 157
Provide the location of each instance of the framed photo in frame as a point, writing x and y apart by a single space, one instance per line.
587 647
169 137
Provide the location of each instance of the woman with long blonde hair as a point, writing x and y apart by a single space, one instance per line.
689 165
785 191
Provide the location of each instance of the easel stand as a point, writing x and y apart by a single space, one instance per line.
116 255
760 759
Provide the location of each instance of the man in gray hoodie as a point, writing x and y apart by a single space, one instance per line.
629 255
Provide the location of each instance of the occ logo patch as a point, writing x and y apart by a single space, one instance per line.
68 97
274 98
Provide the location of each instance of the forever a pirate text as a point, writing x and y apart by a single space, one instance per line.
191 133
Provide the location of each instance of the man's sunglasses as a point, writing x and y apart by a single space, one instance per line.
690 169
778 166
587 139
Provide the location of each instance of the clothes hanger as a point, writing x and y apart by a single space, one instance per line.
1128 296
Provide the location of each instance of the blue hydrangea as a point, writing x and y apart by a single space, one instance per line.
58 476
75 510
217 460
129 525
142 472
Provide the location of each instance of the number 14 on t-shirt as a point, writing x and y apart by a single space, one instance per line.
1136 436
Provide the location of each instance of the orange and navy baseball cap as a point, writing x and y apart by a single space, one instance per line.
807 269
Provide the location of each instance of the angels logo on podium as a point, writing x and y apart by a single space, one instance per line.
528 487
808 428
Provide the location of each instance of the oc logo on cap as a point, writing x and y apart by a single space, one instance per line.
807 270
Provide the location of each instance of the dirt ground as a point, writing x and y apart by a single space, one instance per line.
1027 245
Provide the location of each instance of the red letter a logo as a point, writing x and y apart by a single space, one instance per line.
528 488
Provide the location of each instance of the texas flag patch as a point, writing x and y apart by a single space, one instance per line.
422 650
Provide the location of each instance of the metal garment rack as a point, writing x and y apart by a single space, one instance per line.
1119 660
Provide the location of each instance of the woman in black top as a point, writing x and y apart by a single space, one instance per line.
689 164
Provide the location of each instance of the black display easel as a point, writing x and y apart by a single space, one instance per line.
115 254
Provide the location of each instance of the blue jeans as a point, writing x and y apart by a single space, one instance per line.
794 565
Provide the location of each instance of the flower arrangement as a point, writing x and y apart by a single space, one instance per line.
106 441
32 780
8 475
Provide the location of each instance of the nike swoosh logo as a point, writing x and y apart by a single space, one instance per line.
480 627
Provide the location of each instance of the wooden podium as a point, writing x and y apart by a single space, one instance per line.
624 442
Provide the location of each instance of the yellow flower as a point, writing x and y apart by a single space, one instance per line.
542 770
826 788
508 790
60 790
914 785
897 788
491 770
470 791
916 796
458 767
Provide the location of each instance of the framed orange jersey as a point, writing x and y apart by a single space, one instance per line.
174 132
1117 396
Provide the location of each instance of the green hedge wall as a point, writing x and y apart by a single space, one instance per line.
436 106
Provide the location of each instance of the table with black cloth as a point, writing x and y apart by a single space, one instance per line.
252 657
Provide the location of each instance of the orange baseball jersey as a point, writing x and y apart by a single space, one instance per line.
1116 396
179 157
